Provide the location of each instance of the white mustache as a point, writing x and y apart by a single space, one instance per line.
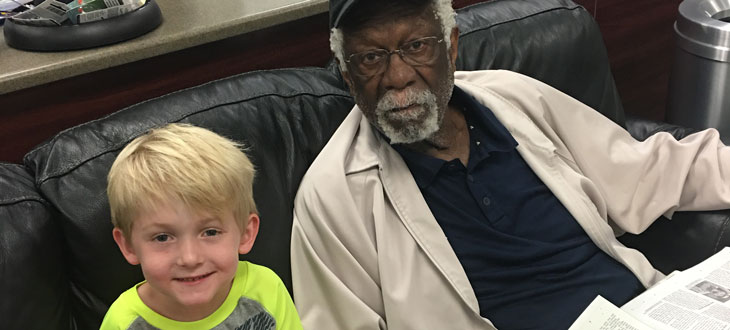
398 100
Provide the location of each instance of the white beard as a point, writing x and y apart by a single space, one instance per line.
421 123
416 124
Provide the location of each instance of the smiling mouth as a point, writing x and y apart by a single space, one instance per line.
193 278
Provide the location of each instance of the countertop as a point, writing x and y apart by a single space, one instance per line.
186 23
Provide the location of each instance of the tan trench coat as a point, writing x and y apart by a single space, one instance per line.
368 254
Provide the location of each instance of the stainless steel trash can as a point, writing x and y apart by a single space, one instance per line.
699 84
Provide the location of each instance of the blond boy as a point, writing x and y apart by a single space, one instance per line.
182 207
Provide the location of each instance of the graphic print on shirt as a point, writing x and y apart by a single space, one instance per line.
260 321
248 315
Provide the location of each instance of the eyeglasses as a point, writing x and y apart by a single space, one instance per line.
417 52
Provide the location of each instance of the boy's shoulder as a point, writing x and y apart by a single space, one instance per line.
124 311
258 297
258 282
263 286
259 274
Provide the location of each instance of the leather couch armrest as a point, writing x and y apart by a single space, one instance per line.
684 241
34 285
641 129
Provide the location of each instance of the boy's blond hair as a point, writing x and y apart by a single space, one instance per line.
180 162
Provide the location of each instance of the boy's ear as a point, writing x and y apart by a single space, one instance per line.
248 234
125 246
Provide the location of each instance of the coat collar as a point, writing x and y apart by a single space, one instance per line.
370 150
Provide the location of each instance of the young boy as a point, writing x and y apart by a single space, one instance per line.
182 207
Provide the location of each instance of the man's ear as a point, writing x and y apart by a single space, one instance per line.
125 246
454 51
248 234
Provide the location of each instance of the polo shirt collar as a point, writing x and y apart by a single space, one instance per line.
496 138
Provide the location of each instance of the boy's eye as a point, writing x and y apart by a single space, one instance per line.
211 232
162 238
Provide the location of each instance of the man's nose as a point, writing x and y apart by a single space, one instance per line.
398 74
190 253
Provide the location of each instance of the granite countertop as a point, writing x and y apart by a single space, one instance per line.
186 23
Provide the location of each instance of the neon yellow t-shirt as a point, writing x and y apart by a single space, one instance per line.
258 300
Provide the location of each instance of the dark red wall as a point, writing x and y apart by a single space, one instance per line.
639 37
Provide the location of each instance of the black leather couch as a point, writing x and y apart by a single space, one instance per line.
60 269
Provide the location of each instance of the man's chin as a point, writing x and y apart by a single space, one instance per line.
407 135
407 131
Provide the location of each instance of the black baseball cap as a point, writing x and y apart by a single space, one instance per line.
338 10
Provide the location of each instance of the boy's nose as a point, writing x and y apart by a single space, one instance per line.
189 253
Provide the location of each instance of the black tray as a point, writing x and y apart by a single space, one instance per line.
87 35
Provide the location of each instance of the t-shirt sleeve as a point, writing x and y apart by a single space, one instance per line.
286 315
110 322
267 288
119 316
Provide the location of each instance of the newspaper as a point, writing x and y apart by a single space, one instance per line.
695 299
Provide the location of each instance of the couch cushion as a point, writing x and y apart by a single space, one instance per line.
34 291
684 241
283 116
641 129
555 41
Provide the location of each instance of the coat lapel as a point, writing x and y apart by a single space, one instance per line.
414 213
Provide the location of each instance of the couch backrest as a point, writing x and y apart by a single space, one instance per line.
554 41
284 117
34 286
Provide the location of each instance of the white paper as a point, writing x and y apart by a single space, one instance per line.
694 299
601 314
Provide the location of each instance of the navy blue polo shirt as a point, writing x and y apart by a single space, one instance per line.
529 262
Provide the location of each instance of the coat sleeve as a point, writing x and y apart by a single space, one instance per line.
639 181
334 260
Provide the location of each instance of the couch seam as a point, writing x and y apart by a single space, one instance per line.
118 146
521 18
55 137
21 199
722 232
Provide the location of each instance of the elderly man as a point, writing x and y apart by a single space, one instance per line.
475 200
